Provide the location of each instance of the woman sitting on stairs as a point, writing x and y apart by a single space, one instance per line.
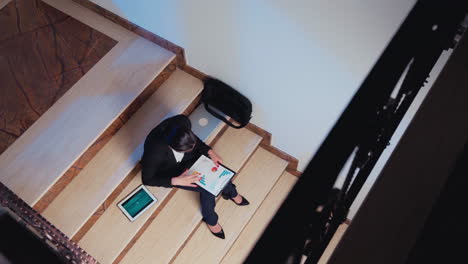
170 150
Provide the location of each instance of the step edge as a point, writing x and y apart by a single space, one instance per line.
215 133
244 162
103 200
117 184
13 150
47 198
284 174
280 172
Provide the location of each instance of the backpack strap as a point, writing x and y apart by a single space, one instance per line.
221 117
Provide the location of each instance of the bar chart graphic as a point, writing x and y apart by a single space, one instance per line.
225 173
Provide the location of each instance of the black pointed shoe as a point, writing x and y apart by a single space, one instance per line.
243 203
220 234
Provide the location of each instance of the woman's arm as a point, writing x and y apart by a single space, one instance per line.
153 175
186 179
215 157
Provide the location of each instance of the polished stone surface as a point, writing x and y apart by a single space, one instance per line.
89 154
43 53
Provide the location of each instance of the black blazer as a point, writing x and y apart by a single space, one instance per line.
158 162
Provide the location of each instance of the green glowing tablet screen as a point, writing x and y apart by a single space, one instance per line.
137 202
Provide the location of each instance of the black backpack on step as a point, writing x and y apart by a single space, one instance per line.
221 99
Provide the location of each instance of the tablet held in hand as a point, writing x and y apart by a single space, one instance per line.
213 178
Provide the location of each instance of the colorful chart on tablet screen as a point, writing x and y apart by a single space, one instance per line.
213 178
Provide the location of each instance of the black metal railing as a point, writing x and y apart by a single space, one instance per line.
310 215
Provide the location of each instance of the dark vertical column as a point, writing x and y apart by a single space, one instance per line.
389 221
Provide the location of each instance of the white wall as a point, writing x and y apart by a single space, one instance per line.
299 61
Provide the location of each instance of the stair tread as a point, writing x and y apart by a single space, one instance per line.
36 160
113 231
172 226
85 193
257 224
255 181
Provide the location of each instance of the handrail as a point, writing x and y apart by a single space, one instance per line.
310 215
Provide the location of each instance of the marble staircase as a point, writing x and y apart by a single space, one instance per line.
172 230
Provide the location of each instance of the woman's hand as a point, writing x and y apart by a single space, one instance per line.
214 157
186 179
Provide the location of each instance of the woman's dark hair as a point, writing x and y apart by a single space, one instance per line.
181 139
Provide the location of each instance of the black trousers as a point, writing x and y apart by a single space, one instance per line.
207 201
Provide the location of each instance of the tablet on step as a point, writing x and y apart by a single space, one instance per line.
137 202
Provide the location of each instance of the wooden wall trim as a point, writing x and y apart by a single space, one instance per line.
261 132
293 162
194 72
294 172
266 144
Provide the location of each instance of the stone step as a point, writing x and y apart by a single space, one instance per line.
113 231
255 182
262 217
181 215
90 188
